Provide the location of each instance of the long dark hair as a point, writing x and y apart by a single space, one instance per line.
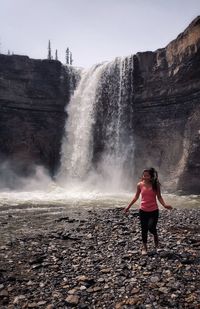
154 178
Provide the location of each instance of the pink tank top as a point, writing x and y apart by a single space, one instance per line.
148 201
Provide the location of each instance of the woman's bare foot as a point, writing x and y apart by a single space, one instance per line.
144 249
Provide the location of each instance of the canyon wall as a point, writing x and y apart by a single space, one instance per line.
33 96
167 110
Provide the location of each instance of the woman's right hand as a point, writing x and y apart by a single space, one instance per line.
168 207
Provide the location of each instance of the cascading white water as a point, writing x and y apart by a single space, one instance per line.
78 141
105 82
119 150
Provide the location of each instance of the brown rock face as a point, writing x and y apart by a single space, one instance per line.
33 96
167 110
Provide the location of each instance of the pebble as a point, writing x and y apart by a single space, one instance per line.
50 306
18 298
154 279
1 286
72 300
42 302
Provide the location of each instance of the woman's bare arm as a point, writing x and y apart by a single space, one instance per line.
160 198
137 194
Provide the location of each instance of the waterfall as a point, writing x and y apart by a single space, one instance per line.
78 141
98 135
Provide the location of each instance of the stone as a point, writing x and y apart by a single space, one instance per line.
1 286
72 300
106 270
4 293
50 306
154 279
163 290
82 278
32 305
132 301
42 302
135 290
97 289
18 298
73 291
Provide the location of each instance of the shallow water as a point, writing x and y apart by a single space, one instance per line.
56 198
25 212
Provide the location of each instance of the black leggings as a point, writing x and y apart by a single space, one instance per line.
148 222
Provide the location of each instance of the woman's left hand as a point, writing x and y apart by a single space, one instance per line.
125 211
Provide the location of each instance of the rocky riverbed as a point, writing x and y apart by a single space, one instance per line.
94 261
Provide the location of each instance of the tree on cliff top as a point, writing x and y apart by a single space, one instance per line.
49 51
71 60
67 55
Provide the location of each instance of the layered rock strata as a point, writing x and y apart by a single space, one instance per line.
33 96
167 110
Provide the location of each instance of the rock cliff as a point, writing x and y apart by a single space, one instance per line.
33 96
167 110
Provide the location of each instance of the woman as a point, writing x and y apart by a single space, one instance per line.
149 188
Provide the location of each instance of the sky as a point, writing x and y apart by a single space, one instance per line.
94 30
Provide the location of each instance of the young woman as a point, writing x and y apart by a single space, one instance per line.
149 188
